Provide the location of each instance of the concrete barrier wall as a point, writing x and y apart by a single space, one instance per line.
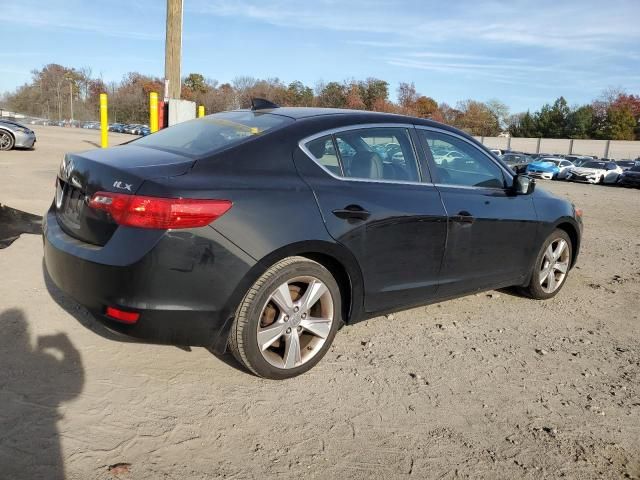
616 149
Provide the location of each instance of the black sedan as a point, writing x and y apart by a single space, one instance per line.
516 161
631 177
265 229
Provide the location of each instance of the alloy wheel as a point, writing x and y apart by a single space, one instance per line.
5 141
555 264
295 322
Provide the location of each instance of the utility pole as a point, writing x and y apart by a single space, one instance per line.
71 98
172 50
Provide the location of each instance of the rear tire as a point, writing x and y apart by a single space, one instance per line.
6 140
287 320
551 267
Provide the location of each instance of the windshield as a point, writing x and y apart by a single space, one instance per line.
635 169
213 133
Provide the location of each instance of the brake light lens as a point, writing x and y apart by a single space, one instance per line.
156 212
122 315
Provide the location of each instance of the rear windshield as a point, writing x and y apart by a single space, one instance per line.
213 133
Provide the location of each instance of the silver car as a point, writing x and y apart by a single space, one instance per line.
13 134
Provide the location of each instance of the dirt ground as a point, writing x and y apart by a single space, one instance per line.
487 386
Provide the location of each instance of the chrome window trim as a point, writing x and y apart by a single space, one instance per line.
460 137
302 144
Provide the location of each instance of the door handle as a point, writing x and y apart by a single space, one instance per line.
351 212
463 217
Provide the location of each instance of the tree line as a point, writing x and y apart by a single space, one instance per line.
55 90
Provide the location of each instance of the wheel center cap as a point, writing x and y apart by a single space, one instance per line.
295 319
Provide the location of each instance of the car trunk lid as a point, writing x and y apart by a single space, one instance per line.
121 169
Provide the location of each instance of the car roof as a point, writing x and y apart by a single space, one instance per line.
355 116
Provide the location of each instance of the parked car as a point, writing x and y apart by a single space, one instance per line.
14 134
625 164
596 171
548 168
630 177
564 166
517 162
252 229
496 152
116 127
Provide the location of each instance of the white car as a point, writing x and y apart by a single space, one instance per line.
563 165
595 172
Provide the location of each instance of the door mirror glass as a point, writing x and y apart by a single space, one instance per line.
524 185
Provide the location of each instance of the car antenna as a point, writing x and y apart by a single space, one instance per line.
261 103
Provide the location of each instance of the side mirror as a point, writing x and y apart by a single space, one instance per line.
524 185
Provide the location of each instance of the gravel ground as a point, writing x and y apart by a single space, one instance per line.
487 386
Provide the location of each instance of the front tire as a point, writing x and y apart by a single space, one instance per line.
287 320
6 140
551 267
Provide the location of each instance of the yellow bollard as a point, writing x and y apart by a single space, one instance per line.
201 111
153 112
104 121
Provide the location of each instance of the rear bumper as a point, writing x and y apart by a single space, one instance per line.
183 287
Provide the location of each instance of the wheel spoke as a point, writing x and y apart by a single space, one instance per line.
268 335
292 354
559 249
320 327
551 281
282 298
548 254
543 275
315 290
561 267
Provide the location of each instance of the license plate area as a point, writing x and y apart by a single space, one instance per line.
70 202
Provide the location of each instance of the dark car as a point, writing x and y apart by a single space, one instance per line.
516 161
630 177
266 229
625 164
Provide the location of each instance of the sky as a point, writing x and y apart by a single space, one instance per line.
522 52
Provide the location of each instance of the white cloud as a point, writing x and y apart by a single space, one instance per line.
581 25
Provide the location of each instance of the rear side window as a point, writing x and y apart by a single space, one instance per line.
384 153
213 133
324 152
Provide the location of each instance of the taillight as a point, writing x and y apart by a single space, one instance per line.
122 315
156 212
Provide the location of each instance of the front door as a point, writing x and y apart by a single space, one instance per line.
374 201
491 231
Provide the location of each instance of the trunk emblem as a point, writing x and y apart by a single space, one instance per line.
122 185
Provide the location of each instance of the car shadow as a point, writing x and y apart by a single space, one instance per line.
95 144
35 378
14 223
87 320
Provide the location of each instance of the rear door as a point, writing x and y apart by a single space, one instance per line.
377 202
491 231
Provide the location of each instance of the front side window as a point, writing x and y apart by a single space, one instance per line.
460 163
